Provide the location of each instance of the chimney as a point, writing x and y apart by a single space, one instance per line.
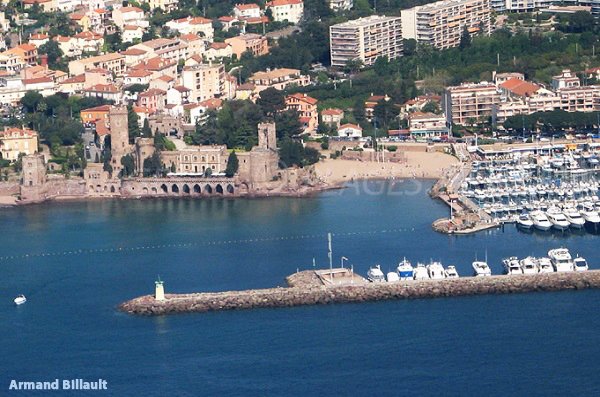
44 60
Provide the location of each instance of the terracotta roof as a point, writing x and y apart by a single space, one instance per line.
138 73
168 79
227 18
38 80
131 27
26 47
246 6
154 64
304 98
80 78
256 20
151 92
110 88
278 3
140 109
212 103
130 9
76 16
98 70
133 51
101 108
181 88
189 37
219 46
38 36
424 115
246 87
353 126
25 132
332 112
520 87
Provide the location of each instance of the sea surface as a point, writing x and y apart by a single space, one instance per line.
77 261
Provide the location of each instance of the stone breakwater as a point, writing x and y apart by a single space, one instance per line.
307 289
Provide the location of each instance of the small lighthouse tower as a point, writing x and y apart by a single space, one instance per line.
159 290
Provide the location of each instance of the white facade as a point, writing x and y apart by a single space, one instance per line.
286 10
341 5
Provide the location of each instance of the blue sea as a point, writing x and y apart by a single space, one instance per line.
76 261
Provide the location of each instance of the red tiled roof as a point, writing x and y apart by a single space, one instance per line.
246 6
277 3
332 112
520 87
353 126
304 98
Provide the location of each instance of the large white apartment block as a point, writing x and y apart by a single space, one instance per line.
205 81
441 24
469 104
365 39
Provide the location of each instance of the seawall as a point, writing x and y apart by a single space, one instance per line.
306 288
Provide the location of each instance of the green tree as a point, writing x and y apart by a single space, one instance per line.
128 165
287 124
271 101
465 38
431 107
146 130
232 165
31 100
153 165
52 50
133 125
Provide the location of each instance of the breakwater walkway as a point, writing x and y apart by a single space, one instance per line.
308 288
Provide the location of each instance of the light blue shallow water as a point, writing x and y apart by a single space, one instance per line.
529 344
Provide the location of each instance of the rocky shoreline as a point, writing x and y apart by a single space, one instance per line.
306 288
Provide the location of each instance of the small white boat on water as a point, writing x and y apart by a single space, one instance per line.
540 221
580 264
481 269
574 217
545 265
421 272
19 300
405 270
511 266
451 272
375 275
557 218
436 271
524 221
529 265
561 259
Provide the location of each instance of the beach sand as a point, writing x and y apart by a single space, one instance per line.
418 165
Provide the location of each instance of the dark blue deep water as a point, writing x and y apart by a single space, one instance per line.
529 344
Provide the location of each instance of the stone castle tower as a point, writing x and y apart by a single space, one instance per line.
267 138
34 178
119 136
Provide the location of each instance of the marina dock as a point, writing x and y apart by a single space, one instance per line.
310 287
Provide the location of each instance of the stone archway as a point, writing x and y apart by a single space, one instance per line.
175 189
208 189
186 189
164 188
112 189
197 189
144 190
219 189
154 190
230 189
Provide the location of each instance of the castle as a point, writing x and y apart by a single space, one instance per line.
195 170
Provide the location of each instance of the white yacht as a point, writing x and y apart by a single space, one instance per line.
451 272
529 265
574 217
580 264
545 265
392 277
375 275
540 220
590 215
557 218
524 221
481 269
405 270
511 266
561 259
421 272
19 300
436 271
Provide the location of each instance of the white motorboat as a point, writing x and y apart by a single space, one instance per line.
580 264
375 275
405 270
545 265
540 220
557 218
529 265
451 272
511 266
436 271
420 272
524 221
392 277
19 300
561 259
481 269
591 216
574 217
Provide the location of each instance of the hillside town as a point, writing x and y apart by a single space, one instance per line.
108 90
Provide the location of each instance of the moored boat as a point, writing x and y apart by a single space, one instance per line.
436 271
481 269
561 259
405 270
421 272
545 265
451 272
511 266
19 300
529 265
375 275
580 264
540 221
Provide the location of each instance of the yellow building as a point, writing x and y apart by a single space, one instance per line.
15 140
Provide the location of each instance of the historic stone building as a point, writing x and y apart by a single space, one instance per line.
119 137
196 160
261 164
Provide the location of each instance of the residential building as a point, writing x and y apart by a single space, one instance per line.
178 95
12 89
441 24
469 103
112 62
27 53
165 48
350 131
165 5
197 160
522 5
254 43
83 20
152 99
197 113
228 22
131 33
365 39
519 88
332 117
129 16
218 51
286 10
14 141
137 76
38 39
204 80
98 114
45 5
279 79
370 104
427 125
68 5
306 107
565 79
110 92
193 25
341 5
158 66
246 11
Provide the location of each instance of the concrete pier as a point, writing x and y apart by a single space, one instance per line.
308 288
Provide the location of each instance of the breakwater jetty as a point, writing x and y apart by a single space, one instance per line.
314 288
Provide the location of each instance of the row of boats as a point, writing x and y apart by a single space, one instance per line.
559 218
558 260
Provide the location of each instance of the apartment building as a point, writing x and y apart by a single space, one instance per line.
468 104
246 10
165 5
306 107
441 24
205 81
252 42
279 79
520 5
193 25
286 10
365 39
112 62
171 49
14 141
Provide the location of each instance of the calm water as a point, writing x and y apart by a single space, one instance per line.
532 344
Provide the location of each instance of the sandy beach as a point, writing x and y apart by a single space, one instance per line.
418 165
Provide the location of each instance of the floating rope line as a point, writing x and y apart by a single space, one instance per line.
85 251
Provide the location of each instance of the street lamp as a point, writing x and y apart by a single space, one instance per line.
343 259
